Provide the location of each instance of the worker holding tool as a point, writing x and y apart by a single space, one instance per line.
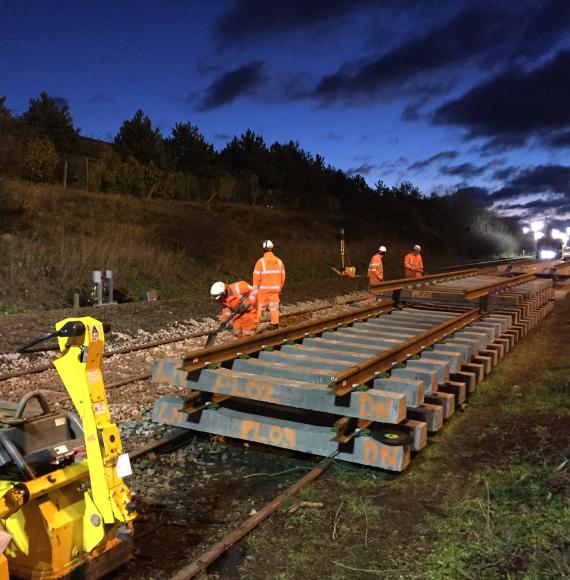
376 268
239 307
269 278
413 264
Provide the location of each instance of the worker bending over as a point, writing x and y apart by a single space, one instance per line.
413 264
376 268
239 307
269 278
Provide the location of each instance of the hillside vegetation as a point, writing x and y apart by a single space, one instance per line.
51 239
174 214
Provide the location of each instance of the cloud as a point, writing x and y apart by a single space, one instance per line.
442 156
541 179
465 36
551 22
465 170
231 85
561 140
364 169
469 170
250 20
332 136
61 102
100 100
504 173
539 203
515 104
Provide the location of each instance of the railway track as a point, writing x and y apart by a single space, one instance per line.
366 386
418 363
287 319
375 377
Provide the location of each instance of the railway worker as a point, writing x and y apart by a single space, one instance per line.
413 264
269 278
238 302
376 268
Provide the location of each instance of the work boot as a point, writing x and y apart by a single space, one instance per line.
273 326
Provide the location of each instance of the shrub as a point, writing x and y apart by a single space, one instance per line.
41 160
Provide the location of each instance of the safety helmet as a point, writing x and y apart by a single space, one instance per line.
218 290
382 249
417 248
267 245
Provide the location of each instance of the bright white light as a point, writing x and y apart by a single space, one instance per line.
536 226
568 231
538 235
547 254
526 229
564 237
555 234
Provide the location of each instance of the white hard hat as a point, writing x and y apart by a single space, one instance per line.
267 245
382 249
217 290
418 248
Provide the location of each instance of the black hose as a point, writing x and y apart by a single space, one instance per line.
37 340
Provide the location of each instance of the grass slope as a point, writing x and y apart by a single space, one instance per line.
51 239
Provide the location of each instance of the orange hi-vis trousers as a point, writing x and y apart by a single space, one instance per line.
268 300
245 324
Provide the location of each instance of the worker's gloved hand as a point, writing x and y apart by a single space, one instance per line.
223 326
241 308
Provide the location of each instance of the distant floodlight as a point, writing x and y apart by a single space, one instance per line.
555 234
536 226
547 254
568 231
526 229
538 235
564 237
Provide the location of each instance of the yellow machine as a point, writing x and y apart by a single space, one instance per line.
64 508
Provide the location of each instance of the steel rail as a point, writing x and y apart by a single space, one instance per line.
211 555
178 436
401 283
358 374
154 344
489 263
197 360
397 284
220 353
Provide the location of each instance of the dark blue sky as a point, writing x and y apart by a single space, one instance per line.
444 93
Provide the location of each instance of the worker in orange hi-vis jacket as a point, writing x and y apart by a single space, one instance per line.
376 268
239 307
413 264
269 278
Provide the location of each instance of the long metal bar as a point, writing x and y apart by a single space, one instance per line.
401 283
234 536
227 351
366 371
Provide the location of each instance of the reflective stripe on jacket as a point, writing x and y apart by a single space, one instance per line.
238 293
269 273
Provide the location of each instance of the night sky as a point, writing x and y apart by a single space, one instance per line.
442 93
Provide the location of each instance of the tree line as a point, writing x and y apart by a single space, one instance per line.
183 164
44 140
